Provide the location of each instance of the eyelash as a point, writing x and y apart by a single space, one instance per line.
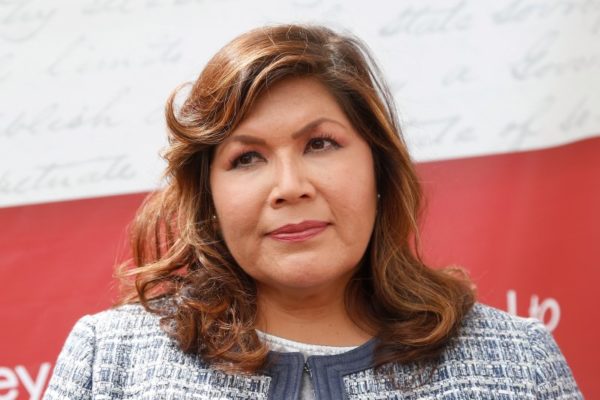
235 162
326 137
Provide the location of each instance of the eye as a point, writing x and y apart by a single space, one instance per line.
321 143
246 160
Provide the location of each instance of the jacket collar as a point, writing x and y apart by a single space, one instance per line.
327 372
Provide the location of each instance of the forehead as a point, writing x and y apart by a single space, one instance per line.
292 101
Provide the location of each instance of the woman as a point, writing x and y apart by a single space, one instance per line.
279 261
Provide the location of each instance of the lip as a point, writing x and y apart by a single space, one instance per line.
298 232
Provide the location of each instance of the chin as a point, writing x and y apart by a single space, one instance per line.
315 280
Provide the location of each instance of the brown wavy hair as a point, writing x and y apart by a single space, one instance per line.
181 268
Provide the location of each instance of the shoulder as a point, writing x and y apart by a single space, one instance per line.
126 321
109 329
102 349
484 319
122 352
112 328
487 323
493 355
499 334
494 343
118 332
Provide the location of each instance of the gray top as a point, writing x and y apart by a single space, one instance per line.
122 353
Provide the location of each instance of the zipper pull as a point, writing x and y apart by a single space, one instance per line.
307 369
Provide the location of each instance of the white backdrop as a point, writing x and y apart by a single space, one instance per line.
83 83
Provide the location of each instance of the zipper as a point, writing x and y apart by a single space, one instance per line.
309 372
307 369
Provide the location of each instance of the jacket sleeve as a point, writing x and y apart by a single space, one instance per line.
553 377
72 376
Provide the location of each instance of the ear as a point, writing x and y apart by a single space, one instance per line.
215 222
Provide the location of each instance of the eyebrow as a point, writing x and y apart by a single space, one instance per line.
311 125
248 139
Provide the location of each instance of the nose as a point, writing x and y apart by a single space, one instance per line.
291 183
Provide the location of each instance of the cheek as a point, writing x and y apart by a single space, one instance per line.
352 186
238 207
233 196
352 199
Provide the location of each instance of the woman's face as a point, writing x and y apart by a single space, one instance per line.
294 190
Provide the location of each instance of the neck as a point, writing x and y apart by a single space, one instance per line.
314 318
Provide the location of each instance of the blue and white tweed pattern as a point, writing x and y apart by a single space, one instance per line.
123 353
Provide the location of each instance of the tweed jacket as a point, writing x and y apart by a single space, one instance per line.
123 353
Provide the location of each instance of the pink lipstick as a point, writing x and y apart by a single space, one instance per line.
298 232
